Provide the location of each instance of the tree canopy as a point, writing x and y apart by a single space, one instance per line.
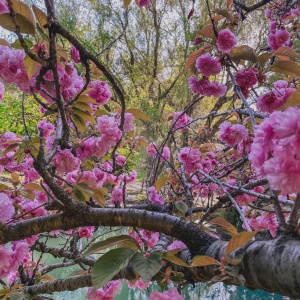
208 91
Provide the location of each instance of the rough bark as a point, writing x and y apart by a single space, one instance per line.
272 266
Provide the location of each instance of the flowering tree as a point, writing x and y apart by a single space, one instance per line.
69 178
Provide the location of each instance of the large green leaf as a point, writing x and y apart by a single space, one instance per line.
146 267
112 241
109 264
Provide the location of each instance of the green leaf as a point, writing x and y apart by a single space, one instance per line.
17 44
182 207
146 267
170 256
79 122
34 187
110 242
239 240
84 115
109 264
30 65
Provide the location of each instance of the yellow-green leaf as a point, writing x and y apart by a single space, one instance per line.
224 224
79 122
110 242
160 182
24 18
239 240
10 148
100 112
286 67
84 115
83 106
202 260
40 16
137 113
86 99
174 259
34 187
30 65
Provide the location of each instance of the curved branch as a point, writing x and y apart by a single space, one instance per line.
196 239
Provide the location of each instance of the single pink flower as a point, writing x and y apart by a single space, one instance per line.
180 120
75 55
100 93
207 66
65 161
246 78
4 7
232 134
226 41
269 102
143 3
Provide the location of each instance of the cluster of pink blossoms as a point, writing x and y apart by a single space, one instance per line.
149 236
155 197
180 120
11 258
246 79
231 135
153 150
275 150
108 292
270 101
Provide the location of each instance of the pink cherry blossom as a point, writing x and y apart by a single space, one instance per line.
128 122
177 245
195 85
269 102
6 261
1 91
232 134
108 126
108 292
213 88
226 41
20 251
100 93
180 120
207 66
278 39
86 231
138 284
47 128
171 294
246 78
65 161
75 54
120 160
142 3
6 208
117 196
151 149
155 197
4 7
